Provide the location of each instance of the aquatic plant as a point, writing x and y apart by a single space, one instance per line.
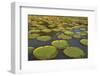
34 31
76 27
30 49
44 38
45 52
68 33
68 28
83 29
52 26
32 36
56 30
83 33
41 27
74 52
46 30
84 42
63 36
43 22
60 43
77 35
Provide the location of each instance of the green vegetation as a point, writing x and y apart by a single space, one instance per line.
46 30
60 43
45 52
84 42
34 31
74 52
50 35
32 36
84 33
63 36
83 29
77 35
69 33
44 38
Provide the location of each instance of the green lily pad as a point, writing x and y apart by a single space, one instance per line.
32 36
74 52
45 52
68 33
34 31
46 30
83 33
84 42
41 27
63 36
44 38
60 44
77 35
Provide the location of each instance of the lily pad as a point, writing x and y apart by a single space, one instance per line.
44 38
74 52
34 31
84 33
60 44
32 36
63 36
46 30
77 35
84 42
45 52
68 33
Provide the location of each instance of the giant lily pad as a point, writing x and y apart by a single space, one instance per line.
44 38
63 36
84 42
32 36
77 35
69 33
74 52
45 52
60 43
46 30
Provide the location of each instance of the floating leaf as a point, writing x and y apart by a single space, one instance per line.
45 52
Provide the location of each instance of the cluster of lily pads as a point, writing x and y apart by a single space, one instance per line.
64 28
51 51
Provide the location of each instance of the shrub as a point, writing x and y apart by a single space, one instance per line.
60 44
45 52
84 42
44 38
32 36
74 52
